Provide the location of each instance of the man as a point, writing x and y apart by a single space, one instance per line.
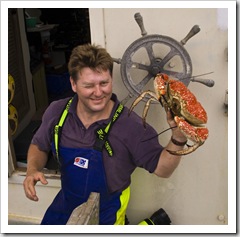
97 144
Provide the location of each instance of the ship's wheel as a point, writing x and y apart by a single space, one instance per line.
152 54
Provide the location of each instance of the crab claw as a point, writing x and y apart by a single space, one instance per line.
197 135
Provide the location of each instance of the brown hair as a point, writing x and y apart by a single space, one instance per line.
92 56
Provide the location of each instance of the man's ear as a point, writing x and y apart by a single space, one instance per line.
73 84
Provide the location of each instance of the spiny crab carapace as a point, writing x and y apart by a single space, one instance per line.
188 113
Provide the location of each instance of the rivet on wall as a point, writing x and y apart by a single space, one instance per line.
221 218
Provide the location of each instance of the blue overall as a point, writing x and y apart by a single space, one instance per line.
82 172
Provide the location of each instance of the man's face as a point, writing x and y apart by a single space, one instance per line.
94 89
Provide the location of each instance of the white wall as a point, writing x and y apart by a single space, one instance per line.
197 193
21 210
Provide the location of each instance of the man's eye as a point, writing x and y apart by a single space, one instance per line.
88 86
104 83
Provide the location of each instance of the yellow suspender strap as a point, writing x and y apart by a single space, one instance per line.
102 133
58 127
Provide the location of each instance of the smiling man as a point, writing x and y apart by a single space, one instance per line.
97 145
94 90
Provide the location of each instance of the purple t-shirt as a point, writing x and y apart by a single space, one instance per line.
126 137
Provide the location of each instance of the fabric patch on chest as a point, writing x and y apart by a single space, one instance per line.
81 162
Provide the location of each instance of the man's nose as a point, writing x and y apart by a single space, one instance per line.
97 90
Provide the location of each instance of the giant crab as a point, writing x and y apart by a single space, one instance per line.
188 113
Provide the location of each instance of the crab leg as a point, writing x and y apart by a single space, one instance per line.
145 111
139 98
186 151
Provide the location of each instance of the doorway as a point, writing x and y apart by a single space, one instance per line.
56 33
61 30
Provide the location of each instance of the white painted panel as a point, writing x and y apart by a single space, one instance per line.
197 193
96 18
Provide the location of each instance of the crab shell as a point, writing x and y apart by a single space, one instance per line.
180 99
